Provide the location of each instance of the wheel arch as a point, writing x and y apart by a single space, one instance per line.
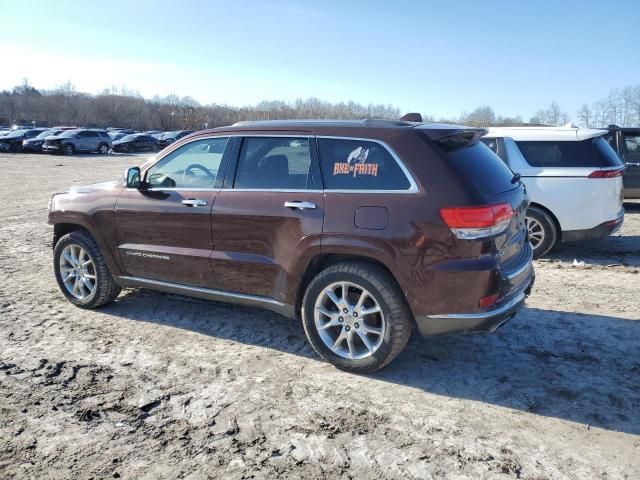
325 260
72 225
552 216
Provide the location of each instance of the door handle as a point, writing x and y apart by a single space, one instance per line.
300 205
194 202
632 164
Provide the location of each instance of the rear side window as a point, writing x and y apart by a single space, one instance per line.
633 143
274 163
359 165
488 173
594 152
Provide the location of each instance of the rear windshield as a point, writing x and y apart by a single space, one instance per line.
483 168
594 152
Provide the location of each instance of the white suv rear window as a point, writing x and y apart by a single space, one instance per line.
595 152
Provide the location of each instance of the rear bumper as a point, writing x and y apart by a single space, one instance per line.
512 288
433 325
603 230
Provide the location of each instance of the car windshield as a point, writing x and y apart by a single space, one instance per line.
69 133
129 138
47 133
16 133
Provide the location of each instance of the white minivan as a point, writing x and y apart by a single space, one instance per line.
573 179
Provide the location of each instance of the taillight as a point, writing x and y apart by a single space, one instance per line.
607 173
468 223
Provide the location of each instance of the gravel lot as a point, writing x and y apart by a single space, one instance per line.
161 386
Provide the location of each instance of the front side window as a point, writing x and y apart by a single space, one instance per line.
194 165
274 163
359 165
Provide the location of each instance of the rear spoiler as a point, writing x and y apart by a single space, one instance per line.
452 137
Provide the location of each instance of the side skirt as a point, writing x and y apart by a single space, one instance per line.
208 294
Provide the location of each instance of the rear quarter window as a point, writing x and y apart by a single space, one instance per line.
594 152
349 164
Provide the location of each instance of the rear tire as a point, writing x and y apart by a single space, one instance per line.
95 285
543 233
369 341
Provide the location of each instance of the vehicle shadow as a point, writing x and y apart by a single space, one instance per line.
576 367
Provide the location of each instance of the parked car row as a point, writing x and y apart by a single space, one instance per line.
71 140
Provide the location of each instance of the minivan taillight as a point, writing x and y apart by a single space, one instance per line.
468 223
607 173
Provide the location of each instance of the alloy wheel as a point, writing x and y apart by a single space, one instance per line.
77 271
536 232
349 320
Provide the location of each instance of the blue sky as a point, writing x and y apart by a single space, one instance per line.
438 57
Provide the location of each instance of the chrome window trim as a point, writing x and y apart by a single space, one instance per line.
413 186
281 190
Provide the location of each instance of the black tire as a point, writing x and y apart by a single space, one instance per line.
68 149
103 149
382 286
106 290
15 147
548 229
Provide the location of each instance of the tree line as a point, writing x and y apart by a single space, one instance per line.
121 107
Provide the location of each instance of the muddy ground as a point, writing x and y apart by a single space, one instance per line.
161 386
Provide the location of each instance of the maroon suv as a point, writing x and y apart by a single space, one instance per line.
363 229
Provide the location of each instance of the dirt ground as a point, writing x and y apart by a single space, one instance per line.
161 386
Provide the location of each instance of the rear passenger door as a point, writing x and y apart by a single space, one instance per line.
267 220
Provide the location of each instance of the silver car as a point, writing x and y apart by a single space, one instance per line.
80 140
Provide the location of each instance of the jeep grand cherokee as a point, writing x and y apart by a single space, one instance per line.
362 229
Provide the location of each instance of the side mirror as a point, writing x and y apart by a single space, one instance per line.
132 177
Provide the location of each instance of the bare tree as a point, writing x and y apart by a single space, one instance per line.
585 115
481 117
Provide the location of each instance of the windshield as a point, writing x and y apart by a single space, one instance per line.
69 133
129 138
47 133
16 133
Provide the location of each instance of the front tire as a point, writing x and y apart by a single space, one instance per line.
543 233
81 272
68 149
356 317
103 149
